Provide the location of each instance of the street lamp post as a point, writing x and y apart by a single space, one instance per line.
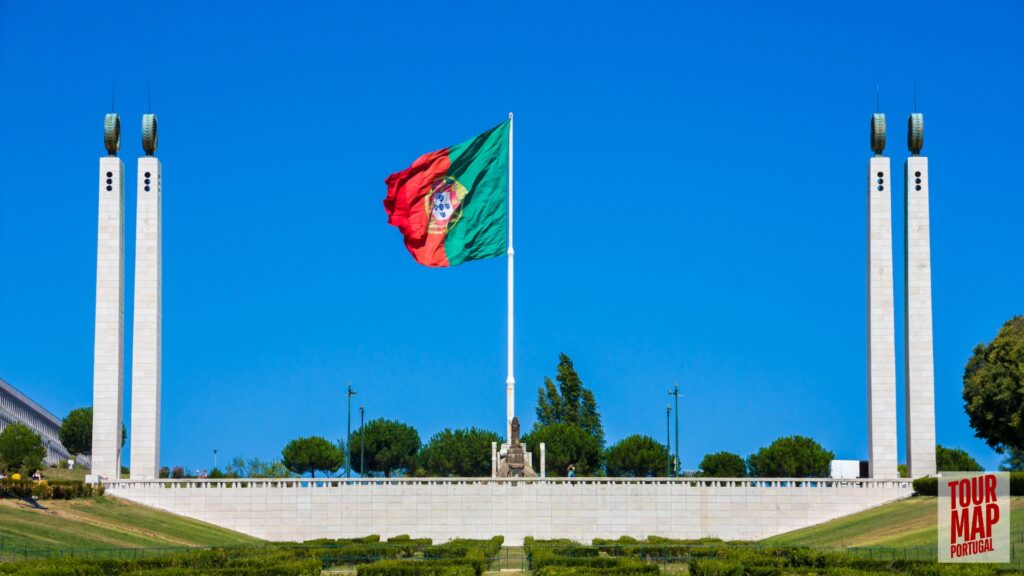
675 392
362 439
348 433
214 457
668 440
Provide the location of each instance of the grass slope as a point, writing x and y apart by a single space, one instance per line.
906 523
105 523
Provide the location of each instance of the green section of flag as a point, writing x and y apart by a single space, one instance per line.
481 166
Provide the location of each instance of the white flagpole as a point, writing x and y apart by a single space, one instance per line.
510 382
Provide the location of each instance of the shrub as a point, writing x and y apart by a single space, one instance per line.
49 490
414 568
20 449
631 569
927 486
713 567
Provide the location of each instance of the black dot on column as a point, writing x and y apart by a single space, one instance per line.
880 188
147 174
147 188
880 174
109 181
147 180
109 188
917 187
109 174
918 174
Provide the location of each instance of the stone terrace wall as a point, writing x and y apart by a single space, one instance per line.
580 508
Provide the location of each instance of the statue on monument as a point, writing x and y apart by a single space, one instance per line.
516 461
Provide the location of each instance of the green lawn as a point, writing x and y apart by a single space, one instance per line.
105 522
909 522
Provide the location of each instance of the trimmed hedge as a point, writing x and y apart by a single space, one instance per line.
626 569
714 567
929 486
371 539
415 568
254 562
49 490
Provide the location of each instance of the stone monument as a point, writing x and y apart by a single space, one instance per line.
919 364
513 459
108 354
146 349
881 361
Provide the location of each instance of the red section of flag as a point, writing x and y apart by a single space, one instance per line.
408 208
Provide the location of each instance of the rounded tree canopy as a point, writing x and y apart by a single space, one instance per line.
637 456
994 388
790 457
21 449
311 454
390 447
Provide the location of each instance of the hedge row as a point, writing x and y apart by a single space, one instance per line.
338 553
238 562
929 486
568 558
49 490
371 539
804 562
623 569
653 548
415 568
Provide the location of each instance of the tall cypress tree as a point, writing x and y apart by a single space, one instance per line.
571 403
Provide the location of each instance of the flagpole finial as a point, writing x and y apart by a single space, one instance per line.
509 115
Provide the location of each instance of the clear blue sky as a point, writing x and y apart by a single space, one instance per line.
690 206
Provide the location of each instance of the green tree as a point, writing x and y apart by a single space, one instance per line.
565 444
20 448
790 457
1014 461
570 403
311 454
458 453
390 446
239 467
723 465
636 456
994 388
75 432
955 460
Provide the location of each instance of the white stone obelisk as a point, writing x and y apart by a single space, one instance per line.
108 352
881 313
919 372
146 350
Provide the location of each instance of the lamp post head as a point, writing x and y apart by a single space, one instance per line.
878 133
112 133
915 133
149 134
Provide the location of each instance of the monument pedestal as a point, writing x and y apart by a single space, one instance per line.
512 460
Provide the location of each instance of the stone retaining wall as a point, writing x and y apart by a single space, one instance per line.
580 509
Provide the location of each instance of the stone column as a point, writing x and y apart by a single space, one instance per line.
494 459
543 457
919 380
881 368
108 358
146 349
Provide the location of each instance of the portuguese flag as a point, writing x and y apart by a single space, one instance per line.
451 205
